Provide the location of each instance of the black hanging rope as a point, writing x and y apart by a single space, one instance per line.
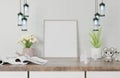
96 6
102 0
20 5
25 1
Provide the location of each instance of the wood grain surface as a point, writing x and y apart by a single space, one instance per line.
65 64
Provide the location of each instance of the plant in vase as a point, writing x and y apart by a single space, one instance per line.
96 43
27 41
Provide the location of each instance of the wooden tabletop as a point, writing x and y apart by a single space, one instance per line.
65 64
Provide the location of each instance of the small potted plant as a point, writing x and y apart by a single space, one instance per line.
27 41
96 43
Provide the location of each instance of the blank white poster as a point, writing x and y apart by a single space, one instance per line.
60 39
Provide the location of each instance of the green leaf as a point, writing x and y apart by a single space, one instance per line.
96 38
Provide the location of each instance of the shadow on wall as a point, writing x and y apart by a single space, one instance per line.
37 52
37 48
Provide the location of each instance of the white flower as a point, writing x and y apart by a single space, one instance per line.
23 41
33 40
28 40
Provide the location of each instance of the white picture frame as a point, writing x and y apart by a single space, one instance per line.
61 38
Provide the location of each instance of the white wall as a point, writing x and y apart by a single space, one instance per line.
81 10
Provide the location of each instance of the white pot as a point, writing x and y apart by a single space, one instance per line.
96 53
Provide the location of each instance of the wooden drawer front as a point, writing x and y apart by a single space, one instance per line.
103 74
56 74
13 74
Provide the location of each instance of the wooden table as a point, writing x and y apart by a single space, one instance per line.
65 64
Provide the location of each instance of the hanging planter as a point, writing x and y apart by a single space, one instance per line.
24 27
26 10
102 9
96 19
22 17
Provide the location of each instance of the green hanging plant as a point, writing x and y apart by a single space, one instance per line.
96 38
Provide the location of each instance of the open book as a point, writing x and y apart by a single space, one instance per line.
22 60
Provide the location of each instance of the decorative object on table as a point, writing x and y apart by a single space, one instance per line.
1 61
108 54
96 43
22 60
84 57
27 41
28 51
61 38
12 60
117 56
22 17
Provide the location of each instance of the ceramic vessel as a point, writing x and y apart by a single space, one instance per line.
96 53
28 52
